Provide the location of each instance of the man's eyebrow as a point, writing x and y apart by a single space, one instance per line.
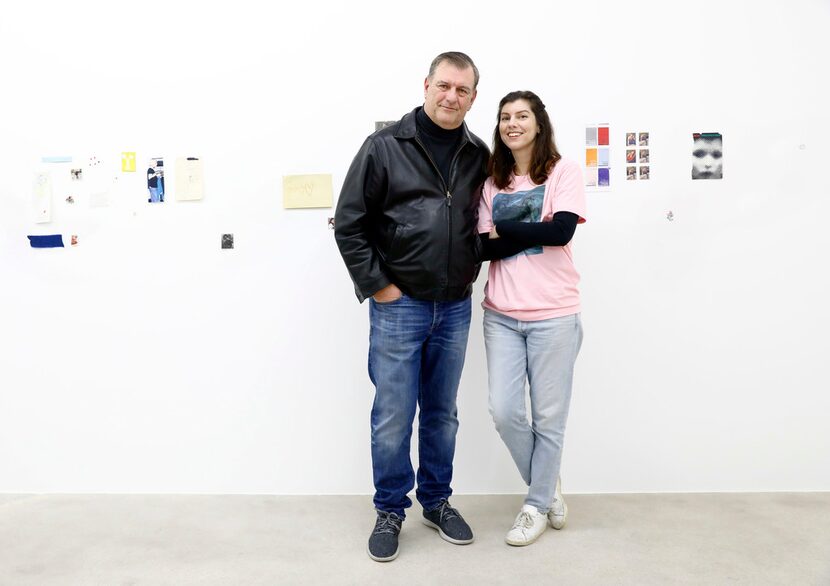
460 86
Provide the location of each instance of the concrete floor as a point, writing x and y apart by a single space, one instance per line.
643 539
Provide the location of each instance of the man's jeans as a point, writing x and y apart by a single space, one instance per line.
416 353
543 353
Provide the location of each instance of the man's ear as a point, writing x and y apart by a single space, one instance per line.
473 99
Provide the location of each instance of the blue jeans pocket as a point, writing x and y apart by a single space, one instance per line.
393 302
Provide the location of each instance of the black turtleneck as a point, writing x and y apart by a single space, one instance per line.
441 143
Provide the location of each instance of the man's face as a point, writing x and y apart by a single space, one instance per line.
449 95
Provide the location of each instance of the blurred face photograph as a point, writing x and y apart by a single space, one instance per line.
707 155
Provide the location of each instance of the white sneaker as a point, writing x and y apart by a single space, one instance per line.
558 513
527 528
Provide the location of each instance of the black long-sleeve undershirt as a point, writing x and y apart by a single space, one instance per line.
515 236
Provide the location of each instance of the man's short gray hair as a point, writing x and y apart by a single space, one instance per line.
460 60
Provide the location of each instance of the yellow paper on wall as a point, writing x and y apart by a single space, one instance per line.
307 191
128 162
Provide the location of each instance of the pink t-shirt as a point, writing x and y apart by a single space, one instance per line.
539 282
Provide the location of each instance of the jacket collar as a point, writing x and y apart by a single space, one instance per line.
407 128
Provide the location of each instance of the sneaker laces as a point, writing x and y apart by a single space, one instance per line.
446 512
387 523
524 521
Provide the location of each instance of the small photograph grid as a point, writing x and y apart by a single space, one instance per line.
637 156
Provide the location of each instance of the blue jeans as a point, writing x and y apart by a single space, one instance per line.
416 353
542 353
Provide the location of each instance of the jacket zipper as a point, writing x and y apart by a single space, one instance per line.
448 198
449 211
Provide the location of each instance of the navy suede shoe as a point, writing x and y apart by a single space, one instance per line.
383 542
450 524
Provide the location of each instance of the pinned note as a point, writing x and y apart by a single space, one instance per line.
189 179
307 191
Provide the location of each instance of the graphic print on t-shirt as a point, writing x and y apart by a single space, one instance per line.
522 206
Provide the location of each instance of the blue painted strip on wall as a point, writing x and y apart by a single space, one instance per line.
56 159
50 241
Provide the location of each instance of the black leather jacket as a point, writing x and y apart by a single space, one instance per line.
398 222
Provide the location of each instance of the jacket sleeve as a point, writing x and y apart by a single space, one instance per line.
363 192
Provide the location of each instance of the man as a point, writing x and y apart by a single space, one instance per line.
406 228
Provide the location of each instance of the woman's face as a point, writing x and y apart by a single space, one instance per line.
707 158
517 126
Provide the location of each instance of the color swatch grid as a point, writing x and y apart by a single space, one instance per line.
597 156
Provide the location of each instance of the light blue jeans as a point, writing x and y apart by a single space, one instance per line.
541 353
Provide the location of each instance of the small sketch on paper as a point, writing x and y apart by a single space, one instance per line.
42 198
189 179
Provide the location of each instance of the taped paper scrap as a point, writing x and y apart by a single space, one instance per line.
48 241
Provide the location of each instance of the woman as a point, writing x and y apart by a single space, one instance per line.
530 207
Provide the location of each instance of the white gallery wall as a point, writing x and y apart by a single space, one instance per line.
147 359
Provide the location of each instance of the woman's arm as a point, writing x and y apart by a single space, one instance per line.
498 248
557 232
